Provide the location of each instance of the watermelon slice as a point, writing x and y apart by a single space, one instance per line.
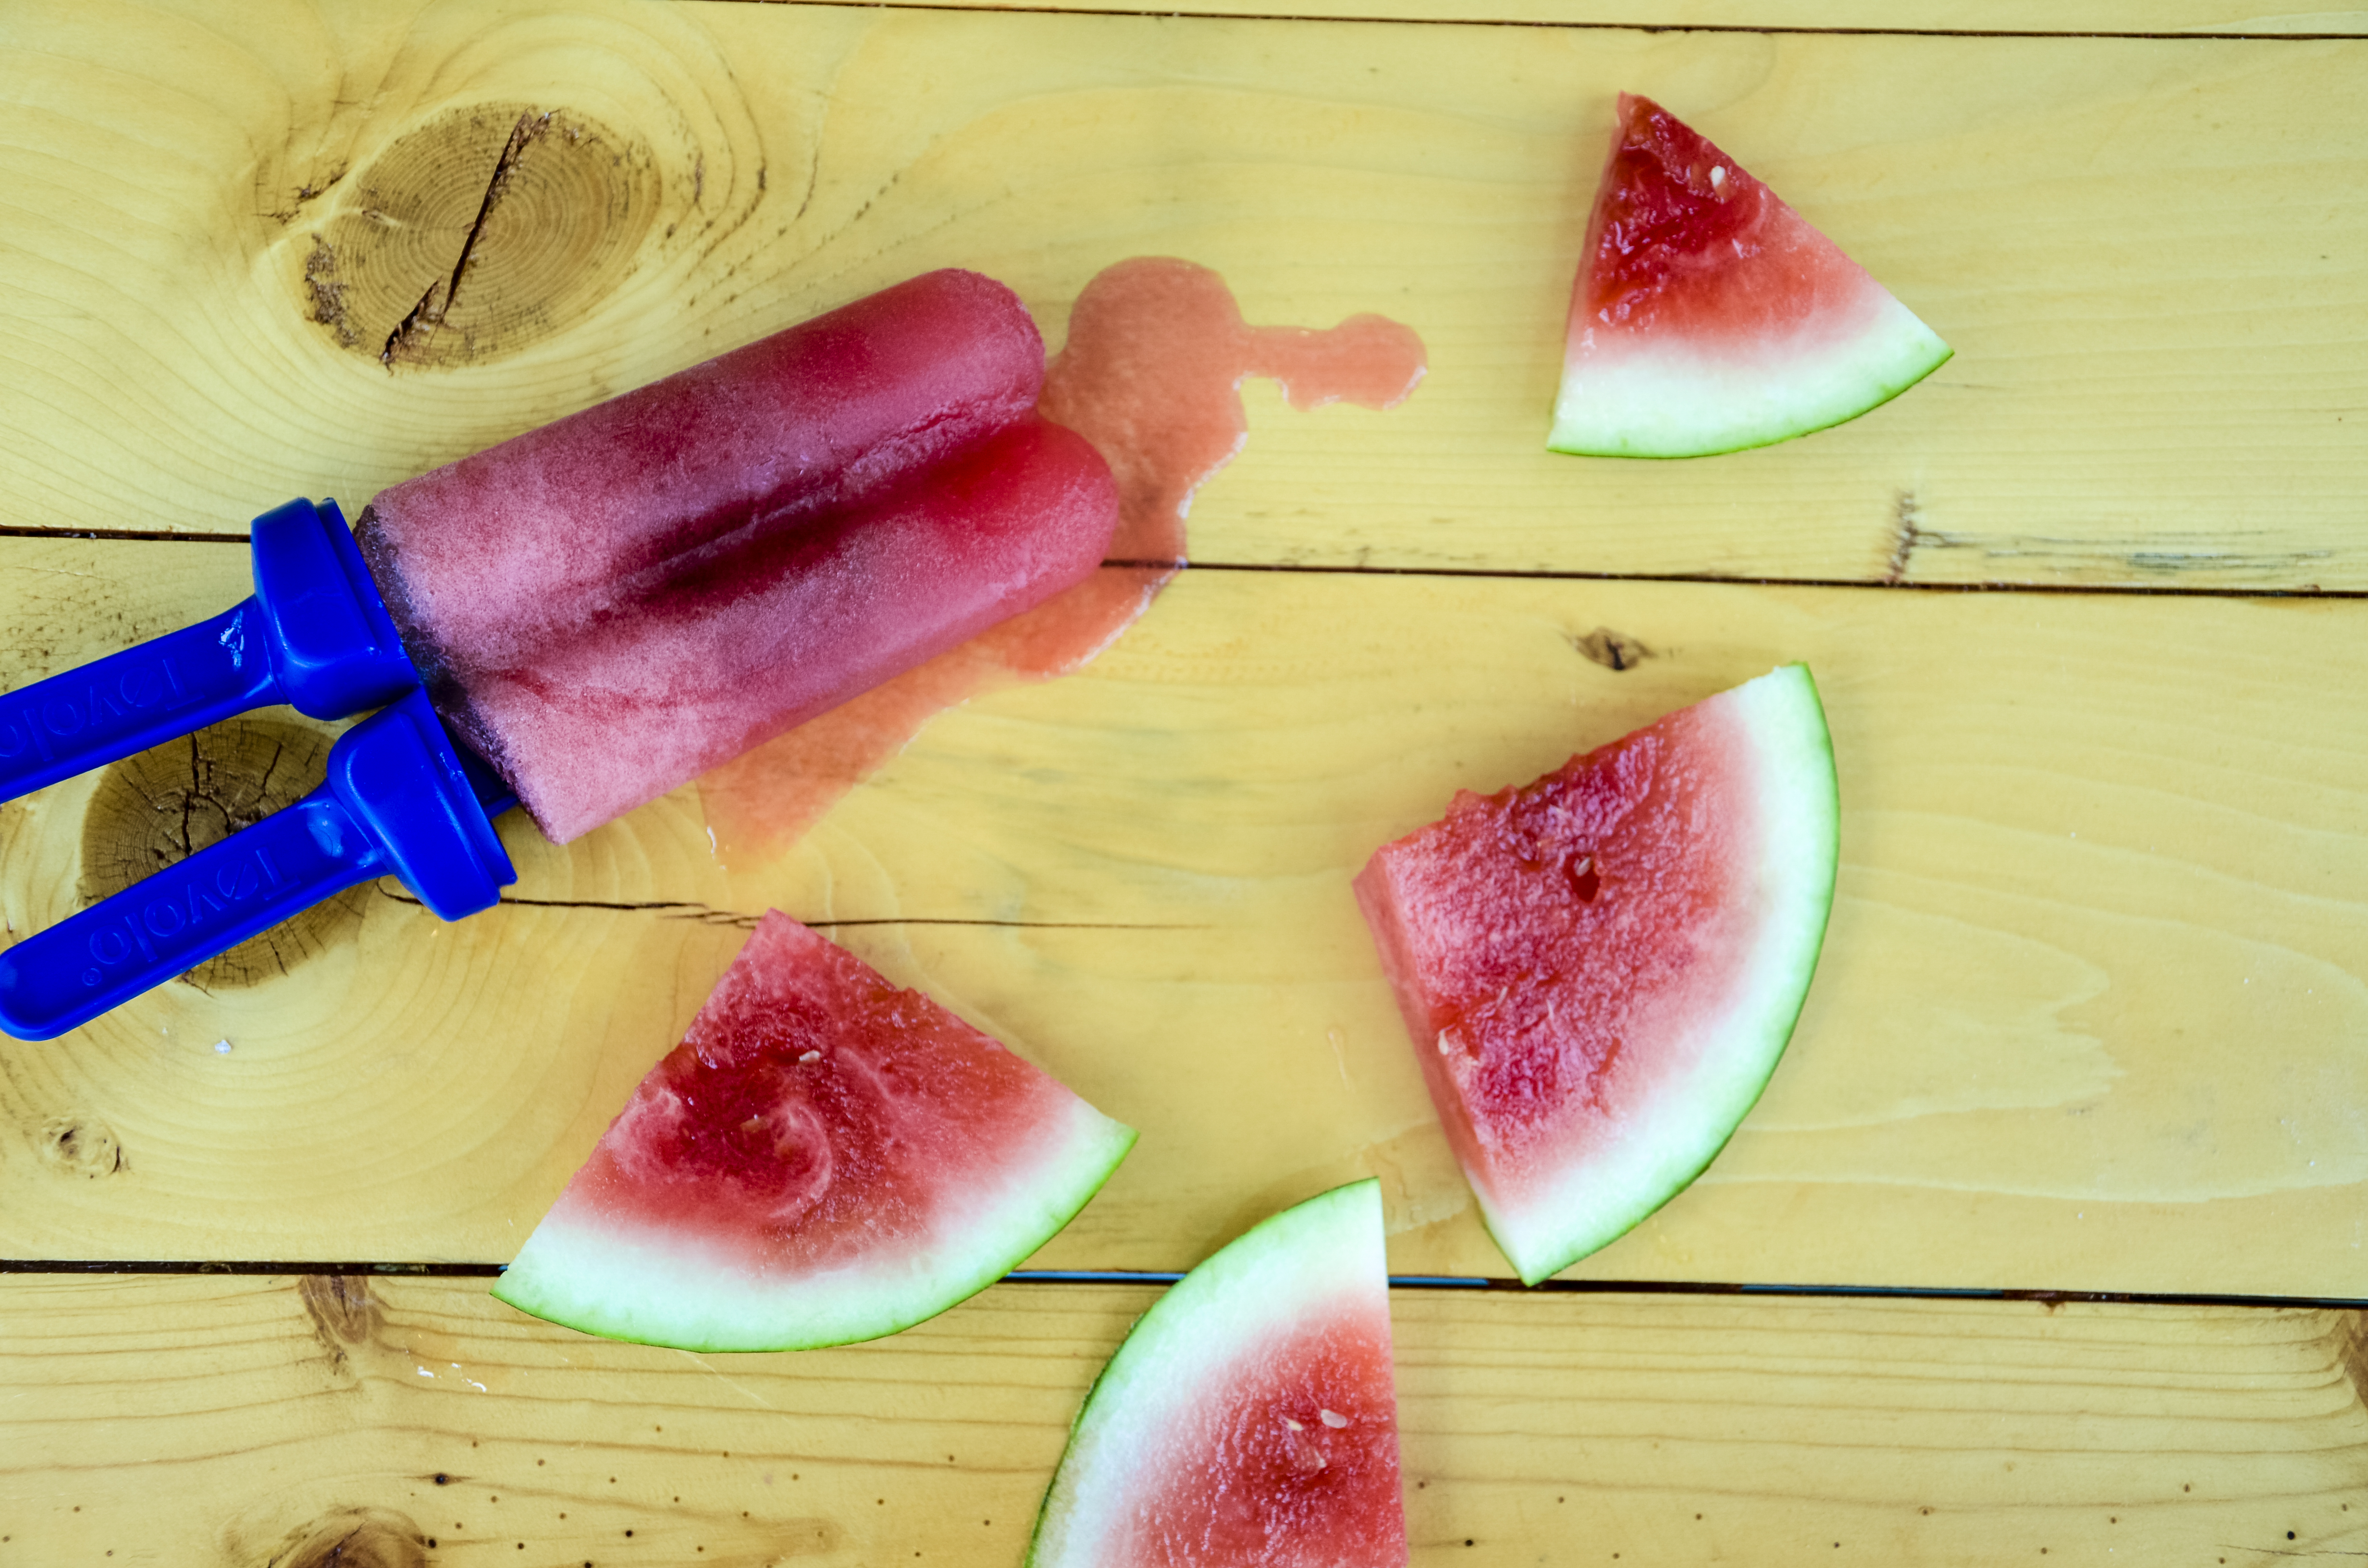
1249 1417
1709 316
825 1158
1600 969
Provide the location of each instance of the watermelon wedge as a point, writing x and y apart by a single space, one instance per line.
1709 316
1249 1417
825 1158
1599 971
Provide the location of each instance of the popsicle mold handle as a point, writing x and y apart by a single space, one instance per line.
399 800
332 647
315 634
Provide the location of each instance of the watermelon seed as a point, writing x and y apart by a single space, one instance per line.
811 1056
1332 1418
1293 1424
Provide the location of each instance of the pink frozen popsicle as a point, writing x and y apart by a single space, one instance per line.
608 606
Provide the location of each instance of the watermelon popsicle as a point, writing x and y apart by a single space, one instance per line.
609 606
599 609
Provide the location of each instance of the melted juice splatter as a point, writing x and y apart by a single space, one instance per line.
1152 376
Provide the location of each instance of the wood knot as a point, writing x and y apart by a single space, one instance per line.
488 228
355 1538
1612 650
164 805
81 1146
2349 1342
341 1306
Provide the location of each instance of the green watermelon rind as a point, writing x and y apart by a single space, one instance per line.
1263 1280
684 1296
1663 402
1803 855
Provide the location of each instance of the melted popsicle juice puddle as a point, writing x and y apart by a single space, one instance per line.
1151 375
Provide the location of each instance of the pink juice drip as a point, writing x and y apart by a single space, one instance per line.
1151 375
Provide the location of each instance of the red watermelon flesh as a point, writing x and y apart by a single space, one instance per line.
1265 1465
1250 1417
1708 315
825 1157
1600 969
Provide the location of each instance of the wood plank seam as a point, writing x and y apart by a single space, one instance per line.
1402 1283
1656 29
1706 579
1892 579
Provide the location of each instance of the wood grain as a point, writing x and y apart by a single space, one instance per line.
197 1421
2147 253
2086 1018
2090 1011
2088 17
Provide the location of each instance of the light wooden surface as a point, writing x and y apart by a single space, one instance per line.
2091 1011
2140 18
2097 851
2156 382
195 1422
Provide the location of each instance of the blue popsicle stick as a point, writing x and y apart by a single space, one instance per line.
400 799
316 635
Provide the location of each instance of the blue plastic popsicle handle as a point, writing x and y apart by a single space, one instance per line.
315 634
400 799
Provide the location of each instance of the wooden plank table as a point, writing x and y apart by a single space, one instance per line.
2047 1237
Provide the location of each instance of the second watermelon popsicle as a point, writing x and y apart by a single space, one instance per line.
608 606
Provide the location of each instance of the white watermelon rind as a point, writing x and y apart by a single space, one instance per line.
1664 1146
1263 1282
654 1288
1665 400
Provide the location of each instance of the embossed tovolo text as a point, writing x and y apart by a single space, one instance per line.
197 905
28 723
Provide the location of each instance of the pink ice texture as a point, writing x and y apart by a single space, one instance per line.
609 606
